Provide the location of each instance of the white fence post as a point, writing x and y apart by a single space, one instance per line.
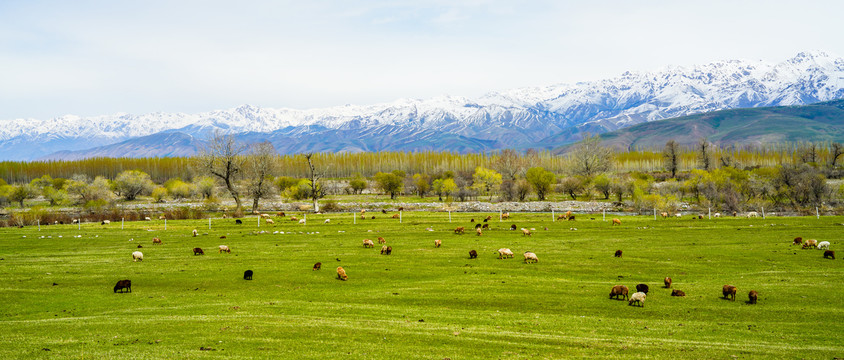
209 223
605 214
39 224
165 224
817 213
500 215
710 213
121 223
449 216
654 213
400 219
354 218
763 212
553 219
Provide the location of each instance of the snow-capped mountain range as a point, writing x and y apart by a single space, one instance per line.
540 117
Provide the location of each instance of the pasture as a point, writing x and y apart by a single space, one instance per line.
422 302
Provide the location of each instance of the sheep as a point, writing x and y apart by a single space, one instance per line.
222 236
137 256
317 266
269 221
373 217
341 273
265 216
389 250
829 254
505 216
238 221
504 253
224 249
473 254
293 218
383 249
381 240
513 227
798 241
667 282
395 216
616 222
752 214
479 226
642 288
530 257
123 285
568 214
247 275
147 218
663 214
735 213
488 218
638 298
561 217
571 218
823 245
162 217
383 211
362 211
363 217
618 253
156 241
729 292
525 232
716 215
195 233
368 243
326 221
198 251
619 290
438 243
105 222
479 231
810 243
752 296
473 220
280 214
302 222
140 246
486 226
676 292
459 230
678 215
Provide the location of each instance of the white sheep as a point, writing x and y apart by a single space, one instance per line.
137 255
638 298
302 221
225 249
106 222
326 221
530 257
752 214
716 215
504 253
823 245
147 218
269 221
195 233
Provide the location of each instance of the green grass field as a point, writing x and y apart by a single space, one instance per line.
422 302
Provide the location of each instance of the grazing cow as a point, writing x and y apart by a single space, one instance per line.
619 291
729 292
224 249
618 253
341 273
479 231
473 254
123 285
667 282
247 275
526 232
317 266
198 251
238 221
829 254
381 240
642 288
798 241
459 230
368 243
269 221
438 243
362 211
676 292
561 217
664 215
156 240
616 222
752 296
293 218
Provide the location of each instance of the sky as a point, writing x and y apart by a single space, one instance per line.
92 58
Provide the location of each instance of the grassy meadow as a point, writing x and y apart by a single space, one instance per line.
422 302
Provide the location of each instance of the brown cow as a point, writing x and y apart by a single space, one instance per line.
729 292
752 296
798 241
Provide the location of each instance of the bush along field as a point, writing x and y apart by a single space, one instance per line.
422 301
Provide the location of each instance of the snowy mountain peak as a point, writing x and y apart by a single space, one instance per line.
519 117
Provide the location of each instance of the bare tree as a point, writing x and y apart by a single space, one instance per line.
809 153
260 167
510 164
223 158
589 158
704 148
671 157
836 150
317 191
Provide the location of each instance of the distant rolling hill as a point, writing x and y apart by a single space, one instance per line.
751 126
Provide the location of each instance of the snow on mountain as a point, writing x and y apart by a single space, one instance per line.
521 117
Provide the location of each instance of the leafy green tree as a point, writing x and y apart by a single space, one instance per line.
55 196
421 183
603 185
206 186
541 180
390 183
445 187
158 194
486 181
132 183
22 192
572 186
358 184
